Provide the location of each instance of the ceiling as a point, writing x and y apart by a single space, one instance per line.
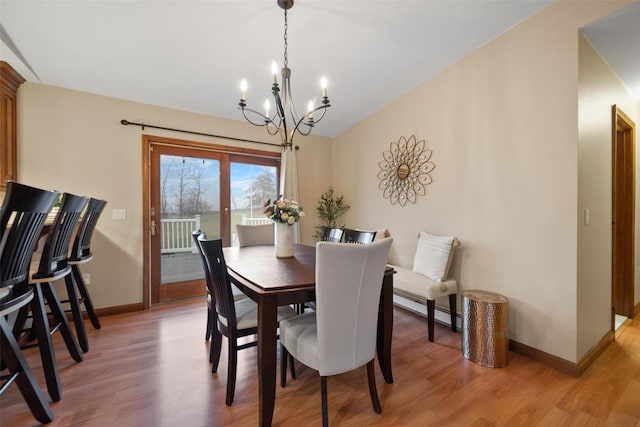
191 55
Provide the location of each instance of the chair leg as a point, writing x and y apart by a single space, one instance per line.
76 312
210 325
293 368
61 319
41 328
323 397
431 312
452 308
215 349
371 376
15 362
284 356
82 288
231 369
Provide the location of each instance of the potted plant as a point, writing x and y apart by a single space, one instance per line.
330 208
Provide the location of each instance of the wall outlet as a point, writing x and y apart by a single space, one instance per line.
87 278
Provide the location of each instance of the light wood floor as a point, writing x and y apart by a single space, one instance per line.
150 369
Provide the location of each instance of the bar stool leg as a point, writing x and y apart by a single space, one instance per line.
76 312
41 327
11 355
85 297
61 319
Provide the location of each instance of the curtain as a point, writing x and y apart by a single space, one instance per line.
289 181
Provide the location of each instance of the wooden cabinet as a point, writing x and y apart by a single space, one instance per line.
9 82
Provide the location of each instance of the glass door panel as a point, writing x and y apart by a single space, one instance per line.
251 185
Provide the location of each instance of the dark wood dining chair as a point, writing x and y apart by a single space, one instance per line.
51 267
22 216
234 318
358 236
330 234
80 254
211 331
341 334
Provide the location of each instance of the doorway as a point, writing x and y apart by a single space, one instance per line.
192 186
623 215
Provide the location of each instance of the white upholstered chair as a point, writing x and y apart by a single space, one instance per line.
253 235
340 335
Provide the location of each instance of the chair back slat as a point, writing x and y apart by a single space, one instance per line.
82 241
22 216
56 248
219 281
330 234
195 235
358 236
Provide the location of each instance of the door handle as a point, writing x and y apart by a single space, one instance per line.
153 227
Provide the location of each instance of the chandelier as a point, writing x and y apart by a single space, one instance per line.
285 110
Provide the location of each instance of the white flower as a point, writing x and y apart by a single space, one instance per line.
291 219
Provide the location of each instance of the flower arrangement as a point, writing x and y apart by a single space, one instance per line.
283 211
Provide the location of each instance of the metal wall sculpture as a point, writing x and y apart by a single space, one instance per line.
404 171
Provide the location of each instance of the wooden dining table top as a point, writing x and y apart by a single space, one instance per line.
259 266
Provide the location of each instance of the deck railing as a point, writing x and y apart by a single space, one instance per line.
176 234
255 221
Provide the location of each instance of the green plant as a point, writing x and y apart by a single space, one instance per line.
329 209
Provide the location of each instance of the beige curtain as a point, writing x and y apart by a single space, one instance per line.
289 182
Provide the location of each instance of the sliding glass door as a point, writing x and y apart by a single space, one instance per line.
193 188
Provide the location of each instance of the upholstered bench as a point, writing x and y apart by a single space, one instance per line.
428 279
419 288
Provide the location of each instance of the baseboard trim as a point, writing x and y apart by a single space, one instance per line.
636 310
557 363
119 309
544 358
595 352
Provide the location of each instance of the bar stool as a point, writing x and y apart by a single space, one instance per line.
22 216
80 254
52 267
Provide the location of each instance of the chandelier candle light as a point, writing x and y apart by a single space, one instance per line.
276 122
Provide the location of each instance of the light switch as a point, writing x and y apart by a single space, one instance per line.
586 216
119 214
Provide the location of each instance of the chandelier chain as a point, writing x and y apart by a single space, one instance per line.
286 44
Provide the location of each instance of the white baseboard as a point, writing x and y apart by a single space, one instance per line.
421 309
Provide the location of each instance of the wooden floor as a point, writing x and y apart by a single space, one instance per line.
150 369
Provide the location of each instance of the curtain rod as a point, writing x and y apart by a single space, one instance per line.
142 125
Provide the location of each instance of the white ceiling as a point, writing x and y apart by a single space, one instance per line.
191 55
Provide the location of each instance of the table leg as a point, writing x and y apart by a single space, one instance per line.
267 342
385 327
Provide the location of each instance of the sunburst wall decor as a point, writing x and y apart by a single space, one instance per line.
404 172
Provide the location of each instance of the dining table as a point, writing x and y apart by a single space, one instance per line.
273 282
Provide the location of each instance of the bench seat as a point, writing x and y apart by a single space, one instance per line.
420 288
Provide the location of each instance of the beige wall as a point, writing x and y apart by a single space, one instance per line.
503 127
507 141
73 141
599 89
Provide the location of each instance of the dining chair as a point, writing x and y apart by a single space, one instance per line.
80 254
211 305
358 236
331 234
22 216
210 331
234 318
253 235
52 266
341 334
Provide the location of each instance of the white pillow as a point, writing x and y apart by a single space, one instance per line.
433 256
